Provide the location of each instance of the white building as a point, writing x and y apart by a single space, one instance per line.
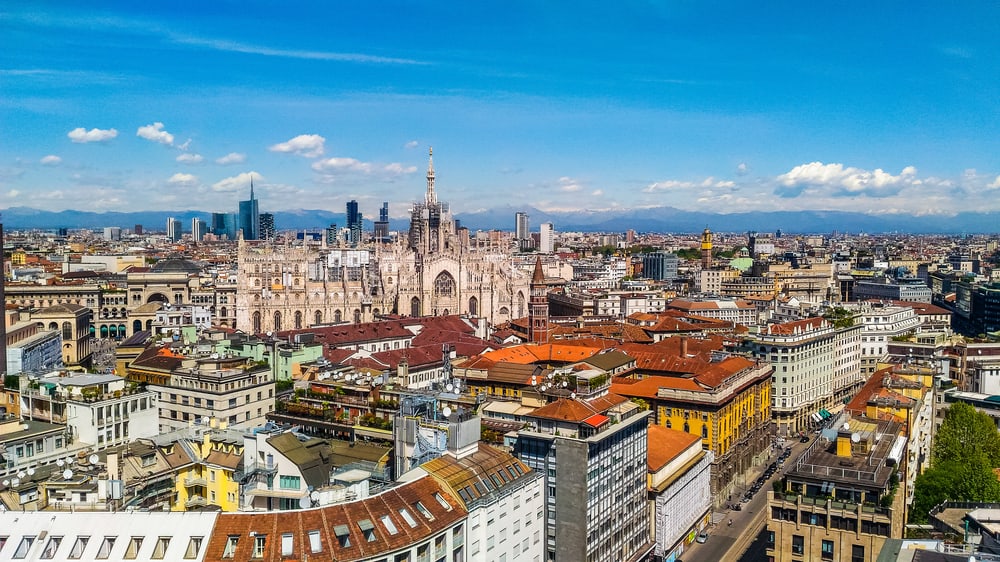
546 238
680 482
804 360
882 322
40 352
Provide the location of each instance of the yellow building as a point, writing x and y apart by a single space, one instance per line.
727 403
210 479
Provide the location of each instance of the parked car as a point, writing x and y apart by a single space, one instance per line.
804 439
702 537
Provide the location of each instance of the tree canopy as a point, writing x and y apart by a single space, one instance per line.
965 452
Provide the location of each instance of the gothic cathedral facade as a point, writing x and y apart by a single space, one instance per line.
434 270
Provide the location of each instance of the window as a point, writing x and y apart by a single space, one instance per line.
343 535
315 544
289 482
23 547
388 524
367 529
51 547
798 544
423 511
160 550
827 550
287 544
134 544
408 517
231 543
105 549
444 503
79 545
258 546
194 546
857 553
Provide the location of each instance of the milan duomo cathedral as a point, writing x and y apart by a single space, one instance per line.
435 270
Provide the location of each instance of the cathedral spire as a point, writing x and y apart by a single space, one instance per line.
431 197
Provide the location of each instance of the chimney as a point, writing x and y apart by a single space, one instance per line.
684 346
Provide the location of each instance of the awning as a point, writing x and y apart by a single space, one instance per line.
366 525
825 413
341 530
816 417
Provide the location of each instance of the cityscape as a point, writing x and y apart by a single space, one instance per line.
423 283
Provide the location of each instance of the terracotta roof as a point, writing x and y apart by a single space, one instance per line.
796 326
576 410
664 445
562 352
647 387
351 518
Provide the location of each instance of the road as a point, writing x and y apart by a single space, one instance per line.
728 543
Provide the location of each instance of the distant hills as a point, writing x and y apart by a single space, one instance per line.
657 219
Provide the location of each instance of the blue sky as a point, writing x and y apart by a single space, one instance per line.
879 107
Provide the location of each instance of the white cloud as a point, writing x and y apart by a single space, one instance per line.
398 169
597 192
838 180
186 180
189 158
412 144
81 135
13 193
310 146
569 185
236 183
333 165
675 185
234 47
742 169
50 160
995 184
231 158
155 133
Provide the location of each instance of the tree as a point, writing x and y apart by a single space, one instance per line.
967 433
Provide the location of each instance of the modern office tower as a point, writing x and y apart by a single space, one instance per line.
546 238
592 454
382 224
249 219
137 230
218 224
173 229
199 228
353 222
112 233
660 266
267 226
62 232
330 234
521 230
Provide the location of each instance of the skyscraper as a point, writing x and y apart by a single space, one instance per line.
354 222
249 219
112 233
198 229
173 229
382 224
546 238
266 226
521 231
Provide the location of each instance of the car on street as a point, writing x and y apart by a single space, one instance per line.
804 439
702 537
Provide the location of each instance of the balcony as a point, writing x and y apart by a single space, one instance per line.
194 481
195 501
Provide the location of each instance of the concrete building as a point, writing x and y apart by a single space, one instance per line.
73 322
913 290
26 444
192 387
522 231
660 266
546 238
595 478
840 501
737 311
267 231
199 228
803 355
112 233
680 489
173 229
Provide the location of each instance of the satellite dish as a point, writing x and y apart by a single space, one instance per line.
70 460
93 459
25 426
67 474
305 502
564 383
6 482
314 496
572 396
446 411
31 472
847 426
60 463
15 482
21 474
450 387
269 334
855 437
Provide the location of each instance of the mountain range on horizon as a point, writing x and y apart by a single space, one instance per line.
653 219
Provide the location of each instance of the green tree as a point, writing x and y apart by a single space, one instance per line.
965 434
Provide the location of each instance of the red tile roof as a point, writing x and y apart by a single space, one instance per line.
664 445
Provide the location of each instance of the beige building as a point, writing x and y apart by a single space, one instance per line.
72 321
842 499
